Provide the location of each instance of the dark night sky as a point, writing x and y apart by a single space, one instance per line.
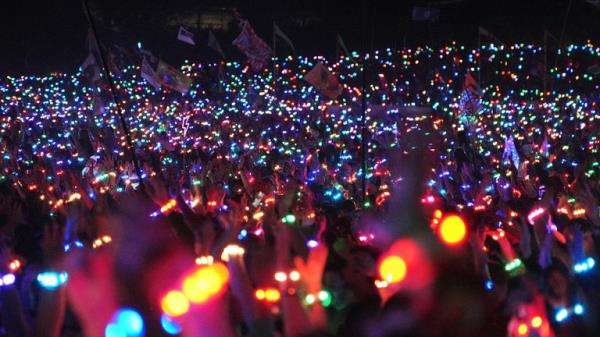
49 36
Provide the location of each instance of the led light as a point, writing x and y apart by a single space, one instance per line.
7 280
325 298
453 230
578 309
312 243
489 285
561 315
536 322
523 329
125 322
310 299
513 265
175 303
289 218
169 325
259 294
272 295
280 276
232 250
52 280
393 269
294 275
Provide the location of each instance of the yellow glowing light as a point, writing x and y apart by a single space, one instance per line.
393 269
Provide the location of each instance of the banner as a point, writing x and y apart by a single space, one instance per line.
320 78
255 49
149 74
172 78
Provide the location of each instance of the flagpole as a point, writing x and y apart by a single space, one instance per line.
480 54
113 91
545 46
364 105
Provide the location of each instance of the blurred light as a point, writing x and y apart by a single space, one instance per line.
175 303
536 322
578 309
523 329
561 315
393 269
169 325
453 230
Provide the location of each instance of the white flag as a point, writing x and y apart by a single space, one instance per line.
186 36
214 44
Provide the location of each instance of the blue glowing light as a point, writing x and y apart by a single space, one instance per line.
169 325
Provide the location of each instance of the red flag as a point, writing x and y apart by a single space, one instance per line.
255 49
324 81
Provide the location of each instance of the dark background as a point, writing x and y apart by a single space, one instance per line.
39 37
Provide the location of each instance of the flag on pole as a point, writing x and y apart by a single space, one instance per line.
425 13
278 32
256 50
341 46
149 74
186 36
320 78
90 64
172 78
214 44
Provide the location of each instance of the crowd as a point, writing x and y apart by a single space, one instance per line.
462 202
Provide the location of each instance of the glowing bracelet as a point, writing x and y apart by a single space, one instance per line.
50 280
513 265
584 266
7 280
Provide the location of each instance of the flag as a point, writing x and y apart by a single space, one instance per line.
545 147
594 2
186 36
278 32
320 78
425 13
90 66
149 74
172 78
340 46
255 49
484 32
214 44
471 85
488 34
